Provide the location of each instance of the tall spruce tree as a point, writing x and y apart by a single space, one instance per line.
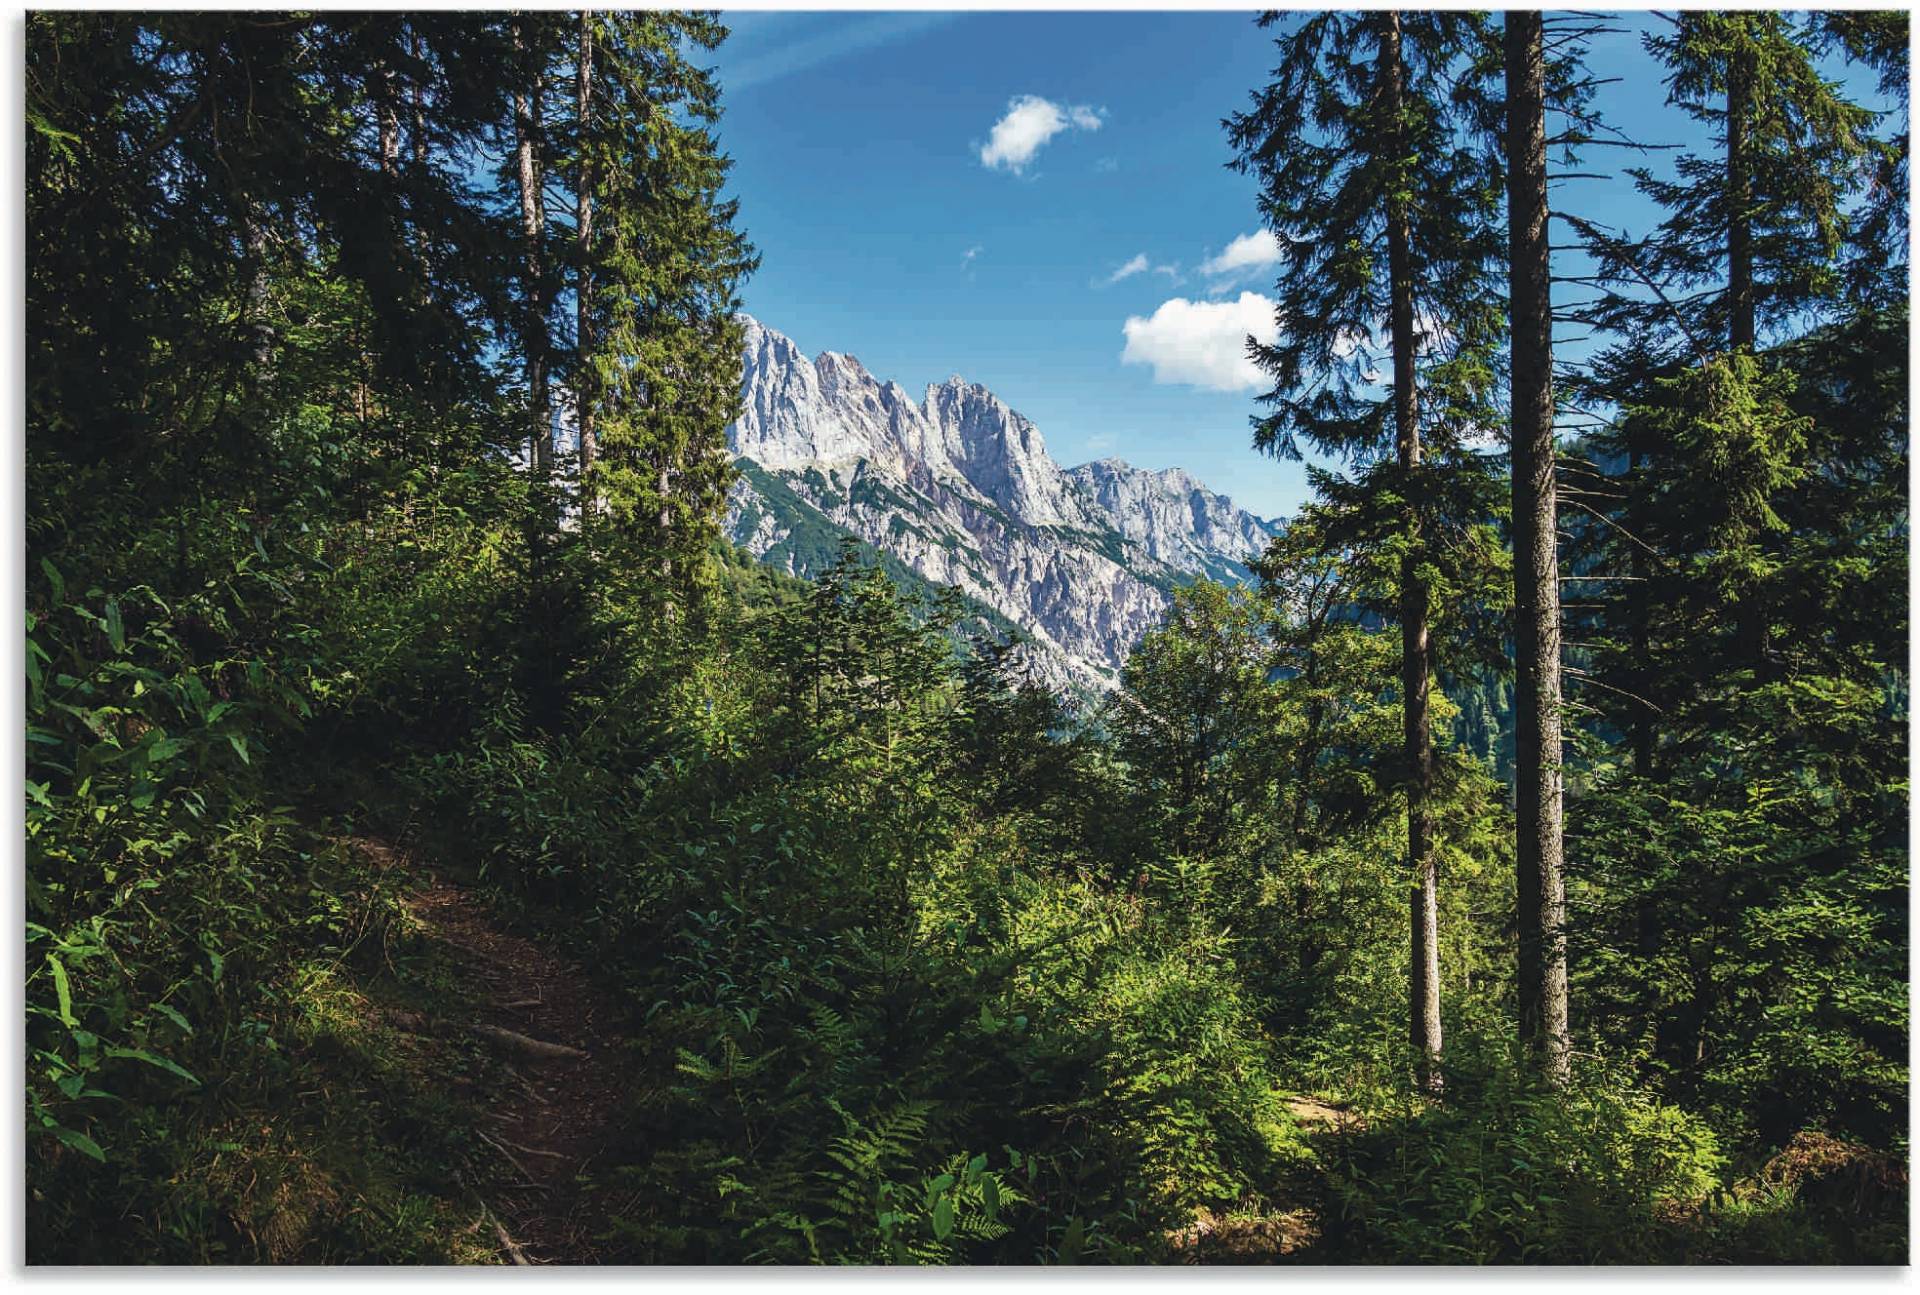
1756 238
1536 564
1712 877
536 43
1876 269
1387 227
658 262
1753 234
585 388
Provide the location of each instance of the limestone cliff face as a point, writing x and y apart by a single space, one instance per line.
962 490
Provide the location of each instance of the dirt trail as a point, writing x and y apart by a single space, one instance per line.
1315 1116
1280 1236
544 1120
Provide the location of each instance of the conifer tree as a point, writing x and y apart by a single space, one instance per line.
1386 224
533 41
584 389
1753 235
1755 239
658 264
1701 870
1536 566
1876 270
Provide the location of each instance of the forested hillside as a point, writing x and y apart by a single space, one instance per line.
443 846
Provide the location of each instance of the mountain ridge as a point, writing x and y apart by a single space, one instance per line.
961 489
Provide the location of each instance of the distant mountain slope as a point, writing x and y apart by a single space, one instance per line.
961 491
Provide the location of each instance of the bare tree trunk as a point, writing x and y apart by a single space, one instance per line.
1740 306
666 522
261 332
1424 1004
1536 565
526 125
583 287
1750 617
387 109
418 95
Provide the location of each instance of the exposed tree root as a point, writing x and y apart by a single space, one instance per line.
531 1046
550 1105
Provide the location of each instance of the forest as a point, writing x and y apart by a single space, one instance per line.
443 846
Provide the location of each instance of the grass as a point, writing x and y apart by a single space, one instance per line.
340 1136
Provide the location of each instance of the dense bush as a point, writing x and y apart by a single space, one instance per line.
1507 1172
856 951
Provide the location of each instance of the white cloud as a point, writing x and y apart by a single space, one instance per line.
1243 255
966 258
1431 334
1030 122
1347 343
1140 264
1202 343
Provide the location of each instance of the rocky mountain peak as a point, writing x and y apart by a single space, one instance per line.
960 487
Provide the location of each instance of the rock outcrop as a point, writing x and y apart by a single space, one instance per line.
961 489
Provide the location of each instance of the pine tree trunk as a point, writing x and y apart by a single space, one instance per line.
583 288
1750 618
526 122
417 91
259 330
1740 307
387 109
1424 1005
666 524
1536 566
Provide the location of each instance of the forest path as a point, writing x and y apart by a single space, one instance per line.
557 1074
1283 1235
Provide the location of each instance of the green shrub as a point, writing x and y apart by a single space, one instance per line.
1506 1172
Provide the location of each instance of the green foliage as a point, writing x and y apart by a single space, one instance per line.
826 894
1333 161
1506 1173
1802 157
659 366
920 963
1745 883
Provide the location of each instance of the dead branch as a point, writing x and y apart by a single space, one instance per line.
532 1047
511 1158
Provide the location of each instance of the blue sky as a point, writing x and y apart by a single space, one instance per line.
898 225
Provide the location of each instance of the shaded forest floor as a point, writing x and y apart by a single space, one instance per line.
509 1053
467 1095
559 1077
518 1052
1295 1231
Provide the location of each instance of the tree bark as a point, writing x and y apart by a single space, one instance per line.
259 331
418 95
583 286
1424 998
1740 305
666 524
1536 566
387 109
526 125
